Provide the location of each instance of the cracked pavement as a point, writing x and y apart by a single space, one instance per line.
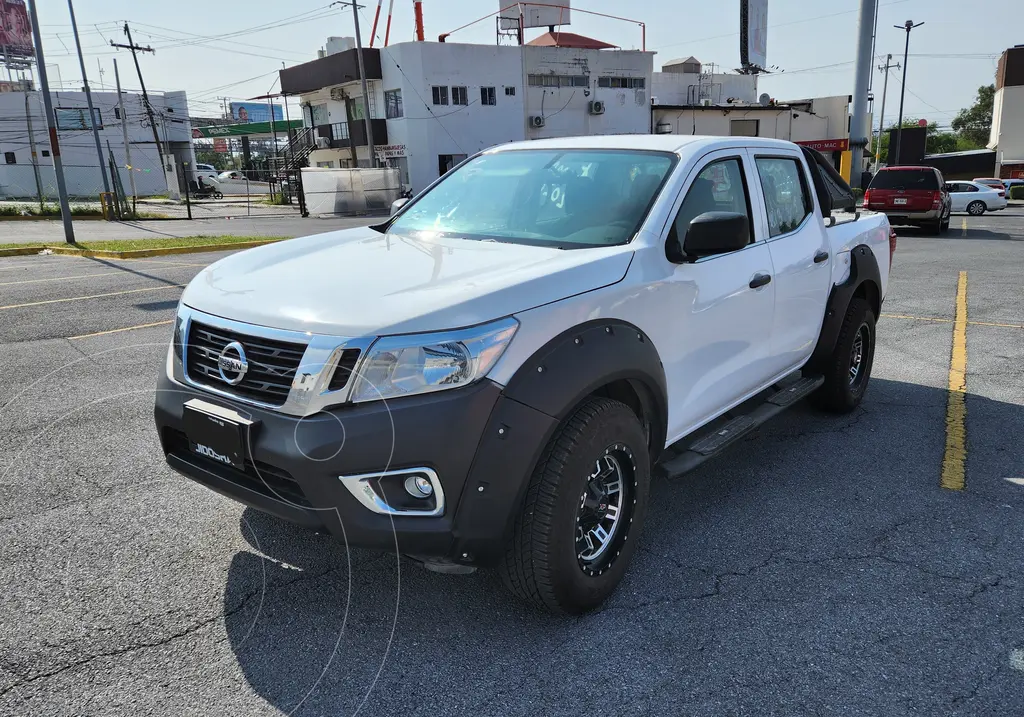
814 568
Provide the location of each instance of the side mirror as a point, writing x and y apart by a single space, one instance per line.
716 233
398 204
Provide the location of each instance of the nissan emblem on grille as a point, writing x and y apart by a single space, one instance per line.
232 361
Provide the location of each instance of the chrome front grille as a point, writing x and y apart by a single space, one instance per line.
272 364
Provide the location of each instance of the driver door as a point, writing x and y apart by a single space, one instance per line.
724 304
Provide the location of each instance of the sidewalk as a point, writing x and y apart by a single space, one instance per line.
50 231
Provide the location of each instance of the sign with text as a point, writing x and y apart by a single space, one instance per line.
15 30
390 151
827 145
220 144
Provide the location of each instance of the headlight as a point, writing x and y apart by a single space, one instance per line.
422 363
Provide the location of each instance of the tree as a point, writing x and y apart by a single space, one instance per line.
936 142
219 160
974 123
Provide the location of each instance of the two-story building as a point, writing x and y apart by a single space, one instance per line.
433 104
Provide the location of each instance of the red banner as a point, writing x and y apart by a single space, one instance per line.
15 29
827 145
220 145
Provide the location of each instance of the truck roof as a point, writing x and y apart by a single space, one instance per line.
656 142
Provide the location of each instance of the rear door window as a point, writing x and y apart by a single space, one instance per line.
786 197
905 179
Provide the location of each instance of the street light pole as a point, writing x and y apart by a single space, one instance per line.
88 100
362 79
908 26
51 124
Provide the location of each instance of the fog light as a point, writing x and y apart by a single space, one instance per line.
418 487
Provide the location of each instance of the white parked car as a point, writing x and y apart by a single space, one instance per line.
975 198
489 376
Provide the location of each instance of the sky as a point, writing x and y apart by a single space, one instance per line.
233 48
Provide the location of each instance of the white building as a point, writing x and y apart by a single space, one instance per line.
1007 137
433 104
78 148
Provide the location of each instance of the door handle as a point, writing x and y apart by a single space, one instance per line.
820 257
760 280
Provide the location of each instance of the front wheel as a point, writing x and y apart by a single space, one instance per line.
976 208
848 369
584 508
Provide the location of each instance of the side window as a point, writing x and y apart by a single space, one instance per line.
718 188
786 198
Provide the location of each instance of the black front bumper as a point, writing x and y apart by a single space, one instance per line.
482 445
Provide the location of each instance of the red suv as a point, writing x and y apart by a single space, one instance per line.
911 195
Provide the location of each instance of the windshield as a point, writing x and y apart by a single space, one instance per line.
905 179
563 198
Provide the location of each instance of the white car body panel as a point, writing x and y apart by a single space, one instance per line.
719 340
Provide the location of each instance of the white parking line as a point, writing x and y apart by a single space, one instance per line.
1017 660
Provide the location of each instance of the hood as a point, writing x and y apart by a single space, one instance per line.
360 282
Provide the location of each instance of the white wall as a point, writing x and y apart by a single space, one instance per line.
675 88
1008 124
821 118
429 130
78 149
566 109
717 121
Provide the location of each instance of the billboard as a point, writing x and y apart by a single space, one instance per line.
243 112
543 14
15 30
754 33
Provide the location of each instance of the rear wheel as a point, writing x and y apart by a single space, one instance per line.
584 508
976 208
848 369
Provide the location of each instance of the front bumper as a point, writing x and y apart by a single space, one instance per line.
482 445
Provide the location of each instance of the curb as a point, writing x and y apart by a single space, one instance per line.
33 218
135 253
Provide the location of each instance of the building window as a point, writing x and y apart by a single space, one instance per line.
319 115
339 130
440 93
77 118
325 165
117 113
487 96
393 104
357 107
744 127
557 81
510 91
10 158
628 83
460 96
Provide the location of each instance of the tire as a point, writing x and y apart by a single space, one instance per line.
945 222
545 562
976 208
842 391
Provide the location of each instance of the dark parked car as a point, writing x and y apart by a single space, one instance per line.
911 195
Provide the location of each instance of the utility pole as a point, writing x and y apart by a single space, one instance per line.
35 160
859 129
908 26
124 129
881 119
362 78
51 124
88 101
145 97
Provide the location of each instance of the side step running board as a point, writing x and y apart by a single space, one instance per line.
684 457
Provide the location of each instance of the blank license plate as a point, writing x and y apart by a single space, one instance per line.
899 201
216 433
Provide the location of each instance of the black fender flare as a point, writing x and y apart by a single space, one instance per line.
584 359
864 277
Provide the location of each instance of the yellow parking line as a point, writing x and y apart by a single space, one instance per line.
956 409
117 331
94 296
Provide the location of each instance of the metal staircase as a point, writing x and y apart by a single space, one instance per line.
295 154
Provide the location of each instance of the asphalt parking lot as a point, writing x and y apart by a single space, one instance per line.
817 568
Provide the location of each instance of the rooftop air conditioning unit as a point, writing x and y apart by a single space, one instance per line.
323 143
537 121
596 107
337 94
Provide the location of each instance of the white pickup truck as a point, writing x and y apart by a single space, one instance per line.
489 377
